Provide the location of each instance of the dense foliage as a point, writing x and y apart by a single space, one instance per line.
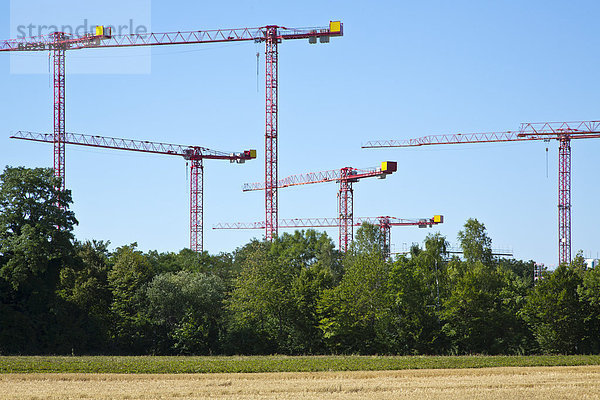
296 295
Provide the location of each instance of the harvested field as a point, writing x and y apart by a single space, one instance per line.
486 383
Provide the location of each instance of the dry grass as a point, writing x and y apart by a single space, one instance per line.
486 383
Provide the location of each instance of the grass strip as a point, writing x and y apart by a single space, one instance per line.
250 364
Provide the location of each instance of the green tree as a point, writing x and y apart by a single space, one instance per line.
557 314
87 297
355 313
260 304
306 291
475 243
589 293
164 262
272 306
523 269
189 260
414 325
482 311
36 242
127 279
471 313
368 239
35 225
418 286
590 290
186 306
433 266
515 336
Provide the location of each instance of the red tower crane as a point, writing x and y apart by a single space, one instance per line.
384 223
194 154
58 43
346 177
561 131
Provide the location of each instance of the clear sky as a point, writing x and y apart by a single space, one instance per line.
402 70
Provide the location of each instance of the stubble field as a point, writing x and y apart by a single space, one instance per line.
580 382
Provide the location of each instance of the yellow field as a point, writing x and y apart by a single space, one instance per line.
488 383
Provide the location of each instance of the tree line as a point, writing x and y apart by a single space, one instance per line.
295 295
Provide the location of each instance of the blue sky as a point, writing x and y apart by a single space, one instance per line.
402 70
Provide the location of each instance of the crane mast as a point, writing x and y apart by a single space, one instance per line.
271 127
58 56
